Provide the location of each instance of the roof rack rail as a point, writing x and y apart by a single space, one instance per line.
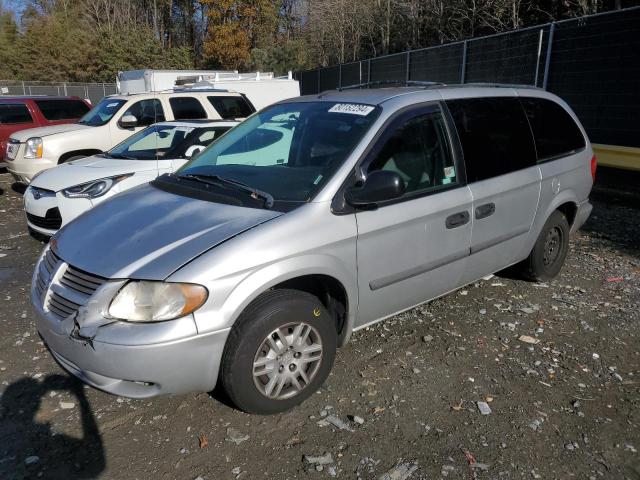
393 83
496 85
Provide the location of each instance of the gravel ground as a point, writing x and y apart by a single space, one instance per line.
557 366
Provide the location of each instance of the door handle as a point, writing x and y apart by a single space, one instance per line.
485 210
457 219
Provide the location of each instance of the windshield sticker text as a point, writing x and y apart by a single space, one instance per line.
352 108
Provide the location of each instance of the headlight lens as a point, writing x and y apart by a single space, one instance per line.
33 148
144 301
93 189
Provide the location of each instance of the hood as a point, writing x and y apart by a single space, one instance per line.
23 135
145 233
88 169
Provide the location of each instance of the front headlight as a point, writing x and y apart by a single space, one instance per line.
95 188
33 148
145 301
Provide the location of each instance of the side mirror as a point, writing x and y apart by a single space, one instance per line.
192 150
128 121
379 186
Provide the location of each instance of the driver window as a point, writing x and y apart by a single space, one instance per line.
147 112
418 150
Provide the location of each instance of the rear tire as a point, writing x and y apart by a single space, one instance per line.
550 250
279 352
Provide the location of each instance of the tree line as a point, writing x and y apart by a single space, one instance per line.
91 40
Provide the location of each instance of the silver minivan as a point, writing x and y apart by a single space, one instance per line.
314 218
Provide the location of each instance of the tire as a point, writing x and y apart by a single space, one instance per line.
550 250
261 342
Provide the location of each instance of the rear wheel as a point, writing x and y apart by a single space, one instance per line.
550 250
280 351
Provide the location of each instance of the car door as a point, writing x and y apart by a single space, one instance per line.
414 248
500 164
148 112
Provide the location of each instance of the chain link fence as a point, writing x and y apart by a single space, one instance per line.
92 91
592 62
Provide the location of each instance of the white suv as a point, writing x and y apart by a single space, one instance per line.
60 194
113 120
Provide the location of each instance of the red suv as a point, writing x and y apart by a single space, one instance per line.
20 113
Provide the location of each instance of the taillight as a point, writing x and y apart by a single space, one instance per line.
594 165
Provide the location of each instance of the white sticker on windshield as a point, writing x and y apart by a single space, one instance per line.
352 108
111 105
449 172
185 129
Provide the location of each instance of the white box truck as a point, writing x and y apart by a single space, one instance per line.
261 88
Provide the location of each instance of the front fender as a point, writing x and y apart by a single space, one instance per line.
258 281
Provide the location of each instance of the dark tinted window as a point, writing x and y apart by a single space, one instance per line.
554 131
147 112
232 107
185 108
62 109
14 113
495 136
418 151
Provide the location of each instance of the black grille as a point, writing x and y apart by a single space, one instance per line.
51 221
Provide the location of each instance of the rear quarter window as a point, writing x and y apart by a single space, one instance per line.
187 108
14 113
62 109
494 134
555 132
231 107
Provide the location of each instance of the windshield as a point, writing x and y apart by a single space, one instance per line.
102 113
167 141
289 150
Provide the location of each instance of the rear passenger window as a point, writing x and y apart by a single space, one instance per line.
419 152
554 131
232 107
495 136
14 113
62 109
186 108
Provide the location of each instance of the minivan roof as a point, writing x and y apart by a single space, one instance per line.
377 96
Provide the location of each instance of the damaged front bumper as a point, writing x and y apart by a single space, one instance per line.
136 360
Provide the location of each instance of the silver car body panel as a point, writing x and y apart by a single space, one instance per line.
387 260
176 230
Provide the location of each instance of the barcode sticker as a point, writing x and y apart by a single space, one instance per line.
352 108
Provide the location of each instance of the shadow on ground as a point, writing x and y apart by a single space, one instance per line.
36 449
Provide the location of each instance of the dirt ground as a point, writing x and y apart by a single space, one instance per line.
402 398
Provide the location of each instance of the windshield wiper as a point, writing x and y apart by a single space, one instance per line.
217 180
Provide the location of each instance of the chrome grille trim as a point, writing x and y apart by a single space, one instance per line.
62 288
81 281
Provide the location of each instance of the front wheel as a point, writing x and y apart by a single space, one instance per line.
279 352
550 250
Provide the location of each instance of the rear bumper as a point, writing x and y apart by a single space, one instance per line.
582 214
